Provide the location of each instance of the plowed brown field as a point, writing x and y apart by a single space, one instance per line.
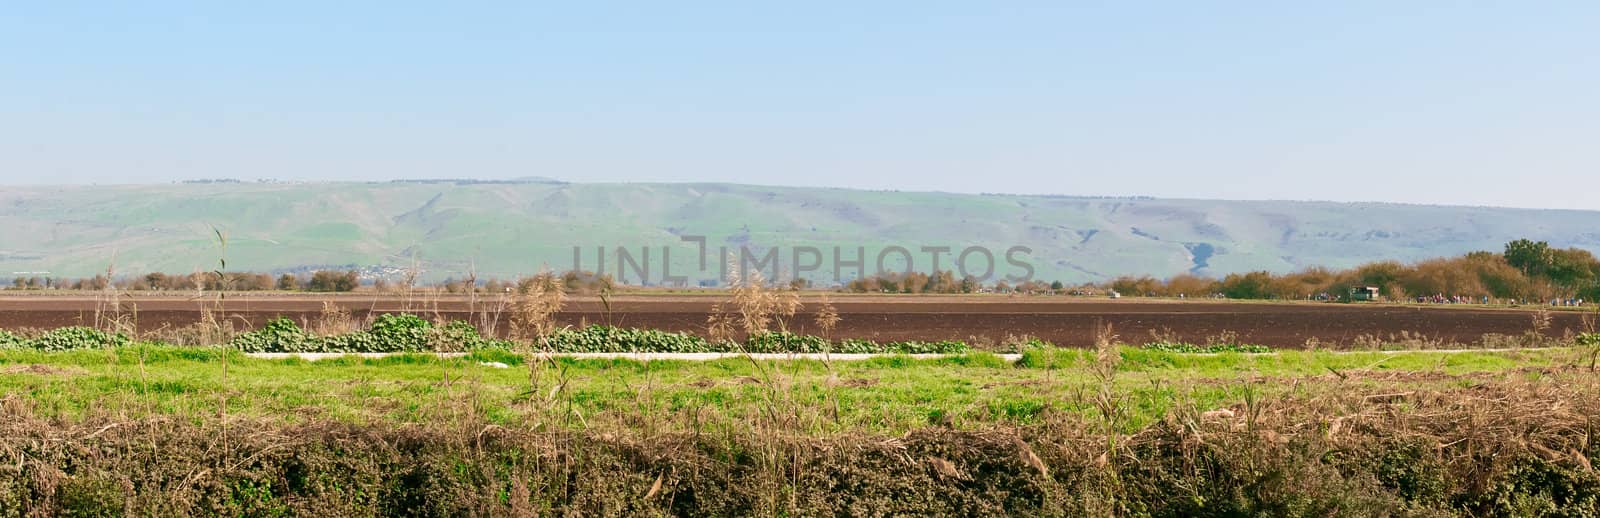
1063 320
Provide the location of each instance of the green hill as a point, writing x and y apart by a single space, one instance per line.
506 228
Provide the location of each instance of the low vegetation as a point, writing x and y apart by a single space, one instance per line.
1525 271
64 339
1183 347
94 423
398 333
161 430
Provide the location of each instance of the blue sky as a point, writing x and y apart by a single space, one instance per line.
1483 103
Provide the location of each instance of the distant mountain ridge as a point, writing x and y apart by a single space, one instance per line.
505 228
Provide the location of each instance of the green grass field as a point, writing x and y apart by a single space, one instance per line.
163 430
883 395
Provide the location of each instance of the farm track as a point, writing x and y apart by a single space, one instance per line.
1065 321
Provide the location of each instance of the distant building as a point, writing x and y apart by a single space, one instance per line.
1363 293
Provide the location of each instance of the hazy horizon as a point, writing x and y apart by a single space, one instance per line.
274 181
1461 105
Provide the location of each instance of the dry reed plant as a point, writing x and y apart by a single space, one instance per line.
334 320
786 306
533 313
1536 335
408 284
719 324
488 318
826 319
755 304
109 313
1108 403
827 316
605 304
472 291
533 322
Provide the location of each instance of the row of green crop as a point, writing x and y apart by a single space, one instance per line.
1185 347
410 333
405 333
388 333
64 339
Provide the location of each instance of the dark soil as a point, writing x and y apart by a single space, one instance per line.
1061 320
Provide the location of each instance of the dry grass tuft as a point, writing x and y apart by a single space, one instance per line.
534 311
334 320
827 316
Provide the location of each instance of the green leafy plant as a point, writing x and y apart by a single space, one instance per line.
785 342
613 339
11 341
409 333
77 337
459 335
277 336
1590 343
401 332
905 347
1188 348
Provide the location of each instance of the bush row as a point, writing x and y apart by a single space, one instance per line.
612 339
64 339
388 333
409 333
1184 347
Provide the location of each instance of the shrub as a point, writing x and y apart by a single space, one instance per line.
1188 348
1023 344
278 336
907 347
612 339
400 332
595 339
459 335
410 333
916 347
11 341
333 281
1052 357
785 342
388 333
78 337
353 342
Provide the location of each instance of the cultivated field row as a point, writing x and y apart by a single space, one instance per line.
1064 321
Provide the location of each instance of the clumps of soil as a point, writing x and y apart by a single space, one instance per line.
852 382
43 370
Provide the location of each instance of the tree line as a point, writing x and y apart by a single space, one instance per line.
320 281
1524 271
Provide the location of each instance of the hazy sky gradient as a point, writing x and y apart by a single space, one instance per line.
1493 103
